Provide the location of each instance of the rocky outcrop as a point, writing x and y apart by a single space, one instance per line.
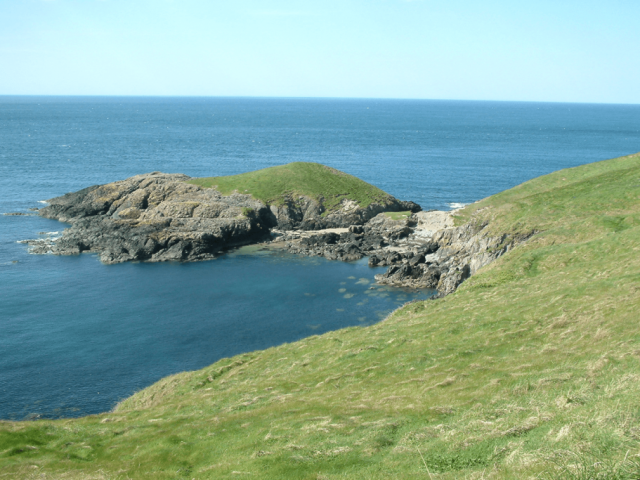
304 213
423 251
155 217
451 254
159 217
334 244
373 238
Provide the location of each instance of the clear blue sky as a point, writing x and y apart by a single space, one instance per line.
542 50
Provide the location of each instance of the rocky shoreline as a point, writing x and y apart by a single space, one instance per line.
159 217
425 250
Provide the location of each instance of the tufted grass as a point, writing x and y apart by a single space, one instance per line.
530 370
398 215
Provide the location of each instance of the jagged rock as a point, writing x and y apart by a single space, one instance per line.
416 260
423 251
452 280
415 276
156 217
451 255
306 214
430 276
322 239
160 217
303 211
410 206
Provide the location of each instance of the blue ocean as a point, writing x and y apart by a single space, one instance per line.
77 336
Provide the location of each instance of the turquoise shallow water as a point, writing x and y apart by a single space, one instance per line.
76 336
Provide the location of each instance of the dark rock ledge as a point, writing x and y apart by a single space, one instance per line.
158 217
153 217
423 251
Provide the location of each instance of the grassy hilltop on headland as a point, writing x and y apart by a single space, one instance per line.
156 217
530 370
275 185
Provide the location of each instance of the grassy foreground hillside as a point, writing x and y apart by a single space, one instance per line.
275 185
530 370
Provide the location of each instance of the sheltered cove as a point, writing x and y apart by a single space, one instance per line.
306 208
530 370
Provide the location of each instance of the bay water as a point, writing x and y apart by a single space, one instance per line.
77 336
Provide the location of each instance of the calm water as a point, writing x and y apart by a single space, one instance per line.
76 336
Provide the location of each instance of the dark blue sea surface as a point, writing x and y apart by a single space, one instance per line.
76 336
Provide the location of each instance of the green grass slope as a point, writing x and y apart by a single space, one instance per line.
275 185
530 370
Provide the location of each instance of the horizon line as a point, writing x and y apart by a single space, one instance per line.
274 97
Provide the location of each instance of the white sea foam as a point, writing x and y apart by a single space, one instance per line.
43 201
455 205
48 233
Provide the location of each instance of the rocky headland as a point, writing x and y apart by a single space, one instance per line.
171 217
153 217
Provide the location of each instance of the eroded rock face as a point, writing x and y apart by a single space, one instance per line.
155 217
423 251
452 256
158 217
306 214
377 238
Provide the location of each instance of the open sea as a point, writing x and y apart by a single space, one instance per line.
77 336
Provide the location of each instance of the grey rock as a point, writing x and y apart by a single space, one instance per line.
155 217
410 206
303 213
452 280
451 256
416 260
423 251
159 217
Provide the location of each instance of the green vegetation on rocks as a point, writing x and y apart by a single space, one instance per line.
398 215
530 370
276 185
